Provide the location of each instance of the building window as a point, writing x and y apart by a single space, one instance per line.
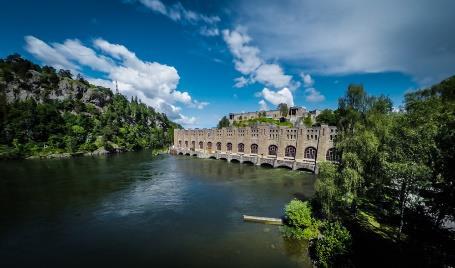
201 145
186 144
254 148
180 143
332 155
209 145
310 153
273 150
193 145
241 147
229 146
218 146
290 151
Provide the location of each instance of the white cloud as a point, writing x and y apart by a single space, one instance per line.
248 62
276 97
200 104
75 51
246 57
263 106
272 74
154 83
241 81
177 12
340 37
183 97
307 80
209 31
48 54
312 95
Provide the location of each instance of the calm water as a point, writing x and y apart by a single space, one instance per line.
136 210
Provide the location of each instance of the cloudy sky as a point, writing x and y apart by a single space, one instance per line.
199 60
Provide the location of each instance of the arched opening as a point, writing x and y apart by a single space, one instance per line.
180 143
305 170
235 161
290 151
218 146
193 145
241 148
223 158
266 165
254 148
201 145
212 157
209 145
284 167
249 163
310 152
273 149
194 154
186 144
188 154
229 147
180 153
332 155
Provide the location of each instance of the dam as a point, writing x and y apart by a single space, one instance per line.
297 148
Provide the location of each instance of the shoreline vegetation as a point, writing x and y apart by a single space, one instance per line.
47 113
390 201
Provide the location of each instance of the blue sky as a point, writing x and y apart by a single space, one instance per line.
199 60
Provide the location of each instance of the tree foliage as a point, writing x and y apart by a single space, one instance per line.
283 108
328 117
224 122
333 244
72 125
398 165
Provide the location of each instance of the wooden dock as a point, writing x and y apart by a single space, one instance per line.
264 220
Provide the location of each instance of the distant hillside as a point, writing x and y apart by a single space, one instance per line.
45 113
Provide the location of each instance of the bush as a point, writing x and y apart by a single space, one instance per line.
298 214
334 243
300 223
309 233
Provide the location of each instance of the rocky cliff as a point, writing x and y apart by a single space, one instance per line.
45 112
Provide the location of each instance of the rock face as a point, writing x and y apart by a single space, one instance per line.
32 87
100 151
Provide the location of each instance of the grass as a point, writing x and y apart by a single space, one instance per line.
369 222
256 121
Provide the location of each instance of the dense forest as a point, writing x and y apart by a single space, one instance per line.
390 201
48 113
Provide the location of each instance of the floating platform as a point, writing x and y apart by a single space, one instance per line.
265 220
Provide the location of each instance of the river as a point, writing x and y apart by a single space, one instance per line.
133 209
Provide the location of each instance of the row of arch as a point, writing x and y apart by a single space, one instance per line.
290 151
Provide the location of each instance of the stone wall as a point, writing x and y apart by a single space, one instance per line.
300 145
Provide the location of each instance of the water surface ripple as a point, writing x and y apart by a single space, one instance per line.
133 209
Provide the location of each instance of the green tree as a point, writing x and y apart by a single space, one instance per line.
406 179
224 122
328 117
333 244
65 73
283 108
327 193
308 121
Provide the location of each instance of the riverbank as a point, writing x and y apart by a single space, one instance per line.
11 153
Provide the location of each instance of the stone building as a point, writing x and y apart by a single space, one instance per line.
295 148
294 115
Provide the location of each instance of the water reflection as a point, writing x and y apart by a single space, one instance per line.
132 209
